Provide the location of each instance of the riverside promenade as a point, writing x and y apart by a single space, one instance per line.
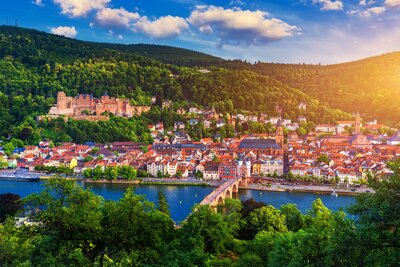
317 189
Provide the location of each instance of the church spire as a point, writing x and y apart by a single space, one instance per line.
357 124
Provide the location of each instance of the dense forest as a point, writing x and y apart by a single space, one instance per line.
372 85
71 226
35 65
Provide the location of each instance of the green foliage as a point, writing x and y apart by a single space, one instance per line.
71 226
34 66
207 231
9 205
162 203
293 217
369 86
323 158
111 173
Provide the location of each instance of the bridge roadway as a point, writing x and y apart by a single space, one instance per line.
224 191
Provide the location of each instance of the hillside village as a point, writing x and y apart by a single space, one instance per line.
330 153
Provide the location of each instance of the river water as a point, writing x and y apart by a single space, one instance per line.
182 198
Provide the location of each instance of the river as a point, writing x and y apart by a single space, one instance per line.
182 198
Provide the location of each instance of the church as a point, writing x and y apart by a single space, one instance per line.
359 140
268 146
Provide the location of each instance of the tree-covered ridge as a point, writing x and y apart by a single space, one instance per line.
230 90
35 65
372 85
35 48
169 54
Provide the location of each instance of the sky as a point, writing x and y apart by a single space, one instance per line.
287 31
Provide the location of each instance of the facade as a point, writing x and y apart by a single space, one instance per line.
273 165
265 146
87 105
211 170
228 170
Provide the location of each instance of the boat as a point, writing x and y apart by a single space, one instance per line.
19 177
334 193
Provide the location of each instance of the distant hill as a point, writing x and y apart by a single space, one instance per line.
370 86
35 65
169 54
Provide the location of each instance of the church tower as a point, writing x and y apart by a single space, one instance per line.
357 124
279 138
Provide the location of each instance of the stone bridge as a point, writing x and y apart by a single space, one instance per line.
224 191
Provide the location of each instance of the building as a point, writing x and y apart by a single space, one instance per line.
325 128
359 140
265 146
85 105
211 170
228 170
272 166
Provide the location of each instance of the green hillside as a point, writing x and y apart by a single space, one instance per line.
35 65
169 54
370 86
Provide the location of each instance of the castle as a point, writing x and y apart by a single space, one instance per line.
86 106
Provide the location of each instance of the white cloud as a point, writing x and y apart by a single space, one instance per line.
237 3
240 26
366 3
369 11
65 31
392 3
38 2
329 4
79 8
206 29
115 18
163 27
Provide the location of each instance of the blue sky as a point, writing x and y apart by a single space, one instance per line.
294 31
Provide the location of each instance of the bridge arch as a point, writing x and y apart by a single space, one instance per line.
220 201
228 194
235 188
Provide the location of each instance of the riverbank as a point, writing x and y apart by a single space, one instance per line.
277 187
315 189
155 181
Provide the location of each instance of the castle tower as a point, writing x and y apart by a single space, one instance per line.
61 100
357 124
279 138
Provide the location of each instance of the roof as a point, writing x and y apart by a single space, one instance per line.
258 144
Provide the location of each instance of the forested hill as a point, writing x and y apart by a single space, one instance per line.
35 65
32 45
372 85
169 54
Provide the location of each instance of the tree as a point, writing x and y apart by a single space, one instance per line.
323 158
207 231
163 203
267 219
70 218
87 173
9 205
127 172
111 173
377 238
3 163
137 233
301 131
293 217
